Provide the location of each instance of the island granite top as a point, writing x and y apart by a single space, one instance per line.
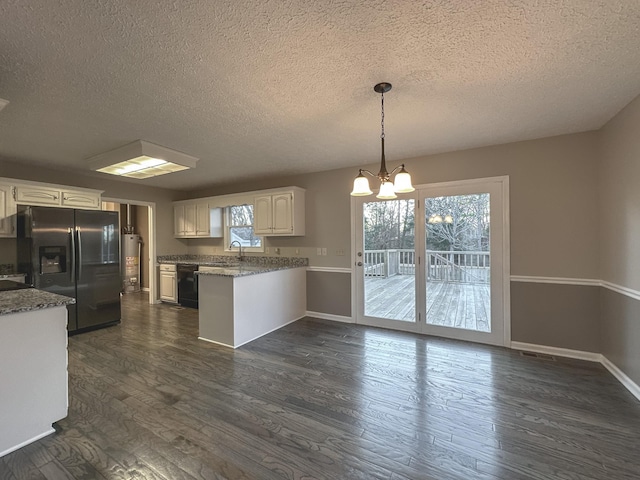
28 299
276 263
242 270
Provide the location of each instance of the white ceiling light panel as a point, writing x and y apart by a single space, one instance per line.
141 160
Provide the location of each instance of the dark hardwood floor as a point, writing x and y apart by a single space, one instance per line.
319 399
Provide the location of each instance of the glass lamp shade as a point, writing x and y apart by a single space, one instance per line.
402 182
386 191
361 186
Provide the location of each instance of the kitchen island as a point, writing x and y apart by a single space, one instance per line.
239 304
33 372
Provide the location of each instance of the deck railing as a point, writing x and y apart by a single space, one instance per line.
444 266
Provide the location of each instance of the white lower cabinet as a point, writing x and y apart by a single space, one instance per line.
168 283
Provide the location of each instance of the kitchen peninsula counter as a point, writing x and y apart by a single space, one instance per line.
33 352
275 263
239 303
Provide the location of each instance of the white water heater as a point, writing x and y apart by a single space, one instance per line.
130 262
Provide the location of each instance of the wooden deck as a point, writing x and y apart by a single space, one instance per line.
458 305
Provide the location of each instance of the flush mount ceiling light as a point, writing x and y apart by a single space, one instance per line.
388 190
140 160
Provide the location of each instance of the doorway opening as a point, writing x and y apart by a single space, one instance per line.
142 219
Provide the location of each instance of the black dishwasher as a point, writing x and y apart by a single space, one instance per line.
187 285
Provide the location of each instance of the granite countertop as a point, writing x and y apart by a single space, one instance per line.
242 270
277 263
28 299
229 266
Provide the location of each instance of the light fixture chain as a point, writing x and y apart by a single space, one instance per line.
382 117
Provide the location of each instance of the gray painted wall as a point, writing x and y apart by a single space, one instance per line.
619 229
329 292
564 316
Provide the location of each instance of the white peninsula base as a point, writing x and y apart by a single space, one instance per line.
236 310
33 375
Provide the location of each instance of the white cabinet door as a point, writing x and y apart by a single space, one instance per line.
280 213
189 220
27 195
202 220
178 220
7 212
87 200
168 286
282 209
262 215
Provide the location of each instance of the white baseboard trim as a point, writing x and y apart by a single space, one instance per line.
629 384
216 343
560 352
254 338
27 442
330 316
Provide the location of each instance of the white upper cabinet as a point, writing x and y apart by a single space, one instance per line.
262 215
279 213
191 220
7 211
202 220
57 196
276 212
76 199
14 192
29 195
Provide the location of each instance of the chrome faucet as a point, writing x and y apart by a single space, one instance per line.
239 249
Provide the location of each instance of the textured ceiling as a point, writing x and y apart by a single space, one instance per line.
256 88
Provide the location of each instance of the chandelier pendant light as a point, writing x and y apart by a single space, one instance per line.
388 189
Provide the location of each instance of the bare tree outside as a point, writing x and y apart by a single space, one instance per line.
454 223
389 224
241 226
458 223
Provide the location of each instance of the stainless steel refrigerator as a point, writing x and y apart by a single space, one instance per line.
73 253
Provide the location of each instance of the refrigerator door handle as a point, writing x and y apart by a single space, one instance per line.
73 255
79 254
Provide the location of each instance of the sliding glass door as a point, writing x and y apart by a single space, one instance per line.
435 261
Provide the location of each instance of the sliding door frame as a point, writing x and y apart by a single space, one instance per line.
506 250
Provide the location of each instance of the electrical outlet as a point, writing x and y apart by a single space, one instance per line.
324 252
266 249
297 251
318 251
277 250
340 252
